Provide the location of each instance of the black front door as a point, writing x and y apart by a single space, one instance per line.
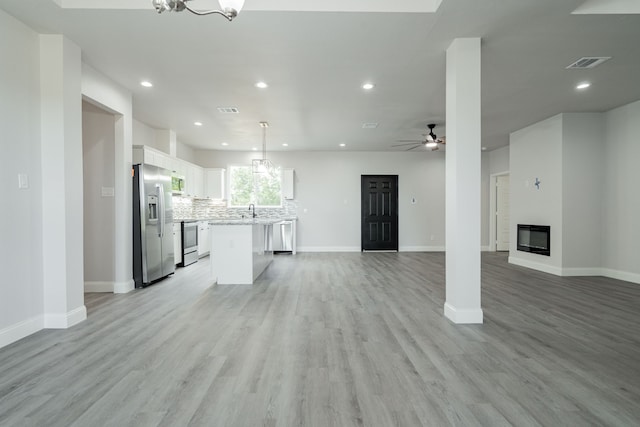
379 212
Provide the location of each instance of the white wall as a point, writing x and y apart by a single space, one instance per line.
536 152
143 134
98 150
21 291
582 173
327 189
499 160
587 163
185 152
621 200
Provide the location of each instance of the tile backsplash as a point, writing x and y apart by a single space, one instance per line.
189 208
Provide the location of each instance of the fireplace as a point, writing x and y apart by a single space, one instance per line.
535 239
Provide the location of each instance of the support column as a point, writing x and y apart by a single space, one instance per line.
463 179
61 142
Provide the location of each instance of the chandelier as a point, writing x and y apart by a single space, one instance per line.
263 165
229 8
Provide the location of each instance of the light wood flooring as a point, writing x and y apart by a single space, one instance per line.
345 339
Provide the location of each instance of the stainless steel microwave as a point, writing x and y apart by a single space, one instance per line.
177 184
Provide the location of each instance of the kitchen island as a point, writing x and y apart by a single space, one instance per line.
240 249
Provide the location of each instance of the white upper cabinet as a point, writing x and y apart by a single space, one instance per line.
194 180
288 184
214 183
193 174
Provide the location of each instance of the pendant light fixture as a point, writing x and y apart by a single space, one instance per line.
263 165
229 8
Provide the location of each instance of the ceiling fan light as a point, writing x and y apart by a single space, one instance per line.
160 5
431 144
231 7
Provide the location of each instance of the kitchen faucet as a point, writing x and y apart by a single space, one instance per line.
254 209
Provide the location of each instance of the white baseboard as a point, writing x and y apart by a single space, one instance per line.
20 330
110 287
98 287
65 320
621 275
328 249
463 316
124 287
485 249
536 266
582 272
421 249
591 271
357 249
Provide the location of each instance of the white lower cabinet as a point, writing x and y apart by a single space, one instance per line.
204 238
177 242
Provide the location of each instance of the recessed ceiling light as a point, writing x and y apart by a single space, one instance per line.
369 125
583 85
146 83
225 143
262 85
285 145
368 86
254 149
197 123
343 145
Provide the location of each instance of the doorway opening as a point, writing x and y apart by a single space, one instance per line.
98 160
499 227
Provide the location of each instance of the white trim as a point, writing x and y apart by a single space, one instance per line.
421 249
463 316
328 248
535 266
124 287
485 249
591 271
582 272
621 275
98 286
21 330
65 320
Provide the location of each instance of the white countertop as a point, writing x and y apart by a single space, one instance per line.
250 221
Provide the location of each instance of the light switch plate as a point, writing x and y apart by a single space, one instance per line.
23 180
108 192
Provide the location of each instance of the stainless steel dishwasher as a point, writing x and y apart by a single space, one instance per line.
283 237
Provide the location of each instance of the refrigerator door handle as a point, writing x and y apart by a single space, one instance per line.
160 189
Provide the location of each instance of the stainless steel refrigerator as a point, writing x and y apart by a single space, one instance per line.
153 252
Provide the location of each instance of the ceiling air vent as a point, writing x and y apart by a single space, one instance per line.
588 62
228 110
369 125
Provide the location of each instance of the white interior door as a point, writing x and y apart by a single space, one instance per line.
502 213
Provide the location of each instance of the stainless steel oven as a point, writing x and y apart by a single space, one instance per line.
189 242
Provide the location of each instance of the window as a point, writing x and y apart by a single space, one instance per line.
245 187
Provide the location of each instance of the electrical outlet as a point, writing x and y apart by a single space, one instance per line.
432 238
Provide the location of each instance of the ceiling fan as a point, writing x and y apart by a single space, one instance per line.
430 141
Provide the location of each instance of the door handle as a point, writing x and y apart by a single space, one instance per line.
160 189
